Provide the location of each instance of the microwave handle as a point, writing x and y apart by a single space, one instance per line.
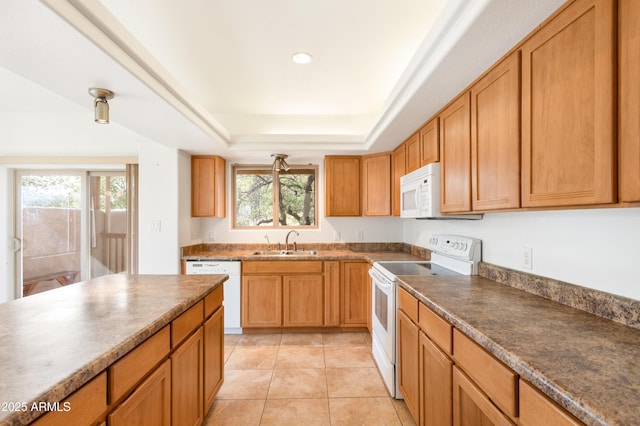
417 198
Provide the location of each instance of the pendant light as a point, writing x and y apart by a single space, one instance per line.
100 104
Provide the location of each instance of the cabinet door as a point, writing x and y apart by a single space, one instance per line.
408 352
412 159
261 301
213 335
149 404
186 382
331 293
471 406
436 385
455 157
629 40
208 181
354 294
342 185
376 185
495 137
303 300
398 169
568 111
430 143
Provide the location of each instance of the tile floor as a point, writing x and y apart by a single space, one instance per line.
303 379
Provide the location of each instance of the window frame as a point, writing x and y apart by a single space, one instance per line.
267 168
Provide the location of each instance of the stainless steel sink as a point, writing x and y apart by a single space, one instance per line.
285 253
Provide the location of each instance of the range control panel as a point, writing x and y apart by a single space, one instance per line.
458 246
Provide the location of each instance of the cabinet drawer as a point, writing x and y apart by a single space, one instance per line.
537 409
129 370
182 326
438 330
282 266
497 380
213 301
408 304
86 405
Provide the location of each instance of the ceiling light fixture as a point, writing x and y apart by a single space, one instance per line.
100 104
302 58
279 163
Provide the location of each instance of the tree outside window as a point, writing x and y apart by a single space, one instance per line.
291 200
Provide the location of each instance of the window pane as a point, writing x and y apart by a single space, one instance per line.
254 198
297 198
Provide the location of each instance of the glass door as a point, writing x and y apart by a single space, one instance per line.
72 226
50 226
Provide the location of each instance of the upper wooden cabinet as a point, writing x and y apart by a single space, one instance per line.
629 101
342 185
398 169
376 184
412 152
568 111
208 183
455 156
495 137
430 143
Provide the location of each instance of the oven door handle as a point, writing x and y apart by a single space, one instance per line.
380 280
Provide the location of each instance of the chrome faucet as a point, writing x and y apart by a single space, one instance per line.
286 240
268 243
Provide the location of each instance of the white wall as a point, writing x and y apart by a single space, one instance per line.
595 248
159 250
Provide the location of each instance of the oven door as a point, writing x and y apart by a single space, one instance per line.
383 315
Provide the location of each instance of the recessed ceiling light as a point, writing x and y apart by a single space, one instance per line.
301 58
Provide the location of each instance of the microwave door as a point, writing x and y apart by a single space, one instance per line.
410 199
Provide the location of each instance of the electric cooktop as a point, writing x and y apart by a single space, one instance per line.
416 268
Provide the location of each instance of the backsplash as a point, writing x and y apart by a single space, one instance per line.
606 305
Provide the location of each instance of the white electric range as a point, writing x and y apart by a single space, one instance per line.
450 255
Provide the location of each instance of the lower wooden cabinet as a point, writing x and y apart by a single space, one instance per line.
538 410
149 404
436 384
471 406
261 301
408 365
186 381
303 301
354 293
213 336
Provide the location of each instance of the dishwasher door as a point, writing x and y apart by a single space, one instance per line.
231 288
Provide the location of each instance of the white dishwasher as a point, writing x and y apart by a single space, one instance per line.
231 288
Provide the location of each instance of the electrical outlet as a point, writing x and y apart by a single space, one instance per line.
156 226
212 235
527 258
336 235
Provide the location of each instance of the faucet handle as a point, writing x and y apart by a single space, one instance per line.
295 246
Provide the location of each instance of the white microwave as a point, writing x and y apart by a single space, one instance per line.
420 195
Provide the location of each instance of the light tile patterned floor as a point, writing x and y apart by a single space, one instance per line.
303 379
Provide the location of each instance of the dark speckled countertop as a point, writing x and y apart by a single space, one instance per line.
588 364
52 343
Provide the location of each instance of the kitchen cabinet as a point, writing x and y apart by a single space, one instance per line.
376 184
412 152
332 293
213 336
261 301
435 375
303 301
537 409
353 292
495 137
629 99
398 169
208 186
568 111
408 364
150 403
187 381
455 156
342 185
471 406
430 142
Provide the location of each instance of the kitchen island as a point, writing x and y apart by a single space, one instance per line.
53 343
